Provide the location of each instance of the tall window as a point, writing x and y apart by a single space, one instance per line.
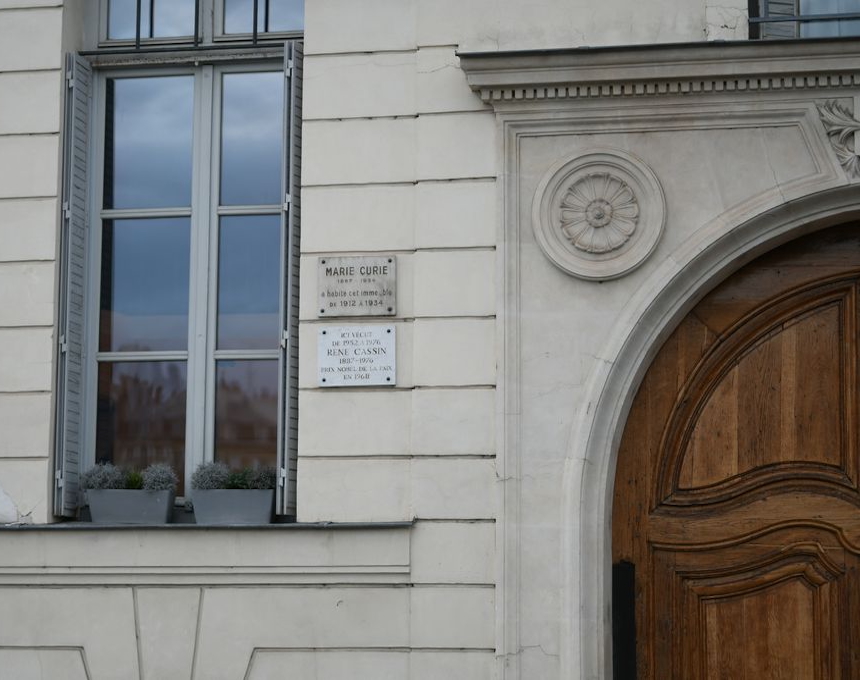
804 18
173 20
187 257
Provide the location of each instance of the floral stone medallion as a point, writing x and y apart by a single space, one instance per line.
599 215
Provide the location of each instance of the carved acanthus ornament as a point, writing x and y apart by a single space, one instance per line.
599 213
841 126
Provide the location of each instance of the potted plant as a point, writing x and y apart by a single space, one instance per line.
222 496
116 496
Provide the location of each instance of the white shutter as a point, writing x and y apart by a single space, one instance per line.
71 327
291 237
781 29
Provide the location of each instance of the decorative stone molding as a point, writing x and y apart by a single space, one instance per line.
598 216
657 306
515 78
178 554
669 87
646 99
841 126
599 213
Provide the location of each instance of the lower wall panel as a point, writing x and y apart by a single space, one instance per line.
277 664
314 632
98 621
37 663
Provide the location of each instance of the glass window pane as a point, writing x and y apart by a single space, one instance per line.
246 413
239 16
827 29
829 6
173 18
141 414
144 287
286 15
148 142
849 28
283 15
249 250
122 17
251 132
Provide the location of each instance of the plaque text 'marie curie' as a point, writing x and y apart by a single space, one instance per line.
357 286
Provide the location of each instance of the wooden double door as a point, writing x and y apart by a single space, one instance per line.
736 513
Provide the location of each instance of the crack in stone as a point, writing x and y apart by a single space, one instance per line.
547 654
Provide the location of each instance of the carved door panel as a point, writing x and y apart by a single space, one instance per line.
736 496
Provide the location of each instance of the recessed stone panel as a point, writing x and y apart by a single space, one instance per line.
25 420
456 617
167 626
25 359
453 552
354 490
452 352
41 663
28 229
29 167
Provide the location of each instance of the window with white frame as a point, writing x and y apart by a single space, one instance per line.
198 21
773 19
178 338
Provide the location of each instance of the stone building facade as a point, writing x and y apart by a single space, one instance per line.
560 184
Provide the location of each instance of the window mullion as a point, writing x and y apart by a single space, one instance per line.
208 11
214 227
143 213
249 354
142 356
199 303
96 199
250 210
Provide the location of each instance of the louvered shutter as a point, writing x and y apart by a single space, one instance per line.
73 257
291 237
779 9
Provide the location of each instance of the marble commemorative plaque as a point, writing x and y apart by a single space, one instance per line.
357 356
357 286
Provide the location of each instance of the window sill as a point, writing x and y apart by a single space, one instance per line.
85 554
278 526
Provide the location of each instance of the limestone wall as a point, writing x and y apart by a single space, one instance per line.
409 173
492 25
400 158
30 113
389 602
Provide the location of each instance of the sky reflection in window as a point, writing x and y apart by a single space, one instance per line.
144 287
251 133
171 19
283 15
148 142
248 275
828 29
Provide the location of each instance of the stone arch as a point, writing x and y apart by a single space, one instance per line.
712 254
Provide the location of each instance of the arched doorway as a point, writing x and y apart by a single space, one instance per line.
736 506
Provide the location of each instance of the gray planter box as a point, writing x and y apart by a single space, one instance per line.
130 506
233 506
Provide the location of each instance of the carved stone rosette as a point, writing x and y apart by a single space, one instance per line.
598 216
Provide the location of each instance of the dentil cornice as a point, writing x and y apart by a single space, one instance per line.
506 79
